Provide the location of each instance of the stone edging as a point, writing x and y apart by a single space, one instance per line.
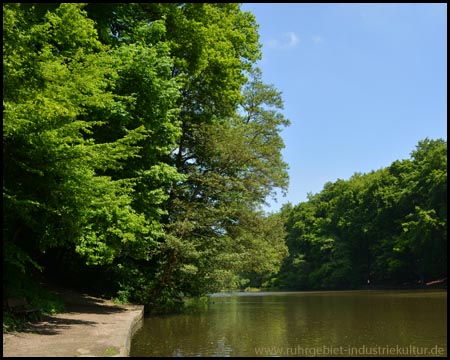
135 325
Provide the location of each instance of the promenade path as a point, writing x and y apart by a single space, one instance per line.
89 326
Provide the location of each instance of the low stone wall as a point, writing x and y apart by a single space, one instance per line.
135 325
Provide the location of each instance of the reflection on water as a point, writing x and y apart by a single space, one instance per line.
293 323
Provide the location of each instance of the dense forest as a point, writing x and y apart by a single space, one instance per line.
140 145
385 228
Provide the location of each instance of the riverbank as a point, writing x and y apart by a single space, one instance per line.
89 326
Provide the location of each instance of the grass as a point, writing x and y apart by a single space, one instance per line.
111 351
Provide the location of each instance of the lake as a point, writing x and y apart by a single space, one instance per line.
322 323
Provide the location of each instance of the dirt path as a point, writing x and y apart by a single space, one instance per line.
89 327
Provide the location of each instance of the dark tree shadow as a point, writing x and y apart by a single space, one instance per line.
50 325
84 303
75 303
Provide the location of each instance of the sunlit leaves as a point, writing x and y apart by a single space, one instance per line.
51 181
386 227
131 143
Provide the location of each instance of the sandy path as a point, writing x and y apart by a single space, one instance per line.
89 327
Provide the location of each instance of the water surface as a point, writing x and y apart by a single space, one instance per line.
338 323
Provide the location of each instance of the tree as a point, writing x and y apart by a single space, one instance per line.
387 227
424 225
233 167
58 85
137 152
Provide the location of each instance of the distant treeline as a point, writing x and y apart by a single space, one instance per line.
384 228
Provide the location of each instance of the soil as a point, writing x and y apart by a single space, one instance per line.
90 326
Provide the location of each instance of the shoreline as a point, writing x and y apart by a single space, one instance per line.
89 327
433 285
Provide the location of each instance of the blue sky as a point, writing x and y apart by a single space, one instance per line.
361 84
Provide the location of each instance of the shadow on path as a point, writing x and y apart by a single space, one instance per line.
53 326
83 303
89 326
76 307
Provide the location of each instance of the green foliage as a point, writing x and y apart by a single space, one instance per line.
387 227
134 144
51 185
36 296
139 144
227 165
12 323
57 189
231 167
45 300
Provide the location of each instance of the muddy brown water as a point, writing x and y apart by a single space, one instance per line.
328 323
